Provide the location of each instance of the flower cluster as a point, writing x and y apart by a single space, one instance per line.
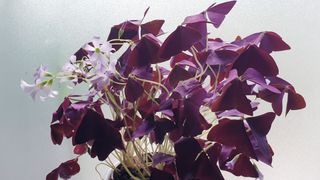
189 120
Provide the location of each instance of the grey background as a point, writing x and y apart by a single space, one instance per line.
34 32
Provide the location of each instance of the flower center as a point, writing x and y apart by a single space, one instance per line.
97 50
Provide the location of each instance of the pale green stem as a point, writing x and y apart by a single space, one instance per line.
153 82
193 50
96 168
126 168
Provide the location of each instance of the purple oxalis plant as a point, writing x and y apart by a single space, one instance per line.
189 121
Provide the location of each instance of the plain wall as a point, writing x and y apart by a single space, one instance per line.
34 32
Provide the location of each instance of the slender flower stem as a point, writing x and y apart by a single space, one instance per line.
119 83
96 169
122 40
153 82
126 168
216 76
149 96
193 50
134 146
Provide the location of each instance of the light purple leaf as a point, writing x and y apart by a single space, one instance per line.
217 12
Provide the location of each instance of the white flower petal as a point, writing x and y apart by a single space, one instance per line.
42 98
40 72
106 48
96 42
68 68
73 59
34 93
88 48
27 88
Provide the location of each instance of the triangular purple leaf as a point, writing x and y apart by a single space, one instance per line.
179 40
133 90
217 12
295 101
145 52
178 74
95 127
65 170
232 97
232 133
255 58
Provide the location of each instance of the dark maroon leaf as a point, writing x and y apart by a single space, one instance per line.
157 174
232 133
232 97
258 59
178 118
240 165
62 123
75 112
217 12
62 108
65 170
133 90
186 150
178 74
250 141
145 52
295 101
194 123
277 103
275 99
128 30
271 41
162 127
69 168
206 170
53 175
125 30
179 40
192 163
105 137
214 152
199 23
153 27
260 126
81 54
56 133
189 120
